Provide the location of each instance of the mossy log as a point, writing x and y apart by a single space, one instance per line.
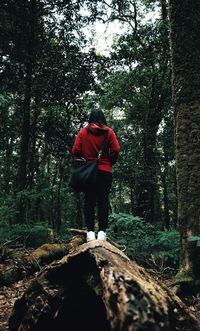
26 265
97 287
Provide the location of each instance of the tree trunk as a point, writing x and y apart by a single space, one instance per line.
33 161
30 37
79 221
164 176
166 203
97 287
185 47
25 135
24 148
149 185
7 164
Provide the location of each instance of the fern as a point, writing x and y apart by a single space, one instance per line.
144 240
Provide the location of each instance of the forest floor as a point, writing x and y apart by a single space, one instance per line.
9 294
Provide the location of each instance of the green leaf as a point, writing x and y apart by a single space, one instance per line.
194 238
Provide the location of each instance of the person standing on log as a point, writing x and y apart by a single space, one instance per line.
87 145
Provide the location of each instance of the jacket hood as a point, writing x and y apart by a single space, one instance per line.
97 129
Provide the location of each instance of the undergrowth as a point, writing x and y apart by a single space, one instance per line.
145 241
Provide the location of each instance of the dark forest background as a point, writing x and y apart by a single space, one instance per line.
51 76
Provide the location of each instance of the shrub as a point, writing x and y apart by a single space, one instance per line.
144 241
29 235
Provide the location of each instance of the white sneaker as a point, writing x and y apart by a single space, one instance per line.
101 235
90 236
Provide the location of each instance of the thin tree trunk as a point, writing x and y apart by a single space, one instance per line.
58 206
79 213
164 9
25 134
29 61
149 186
7 165
132 195
165 200
32 167
164 178
24 147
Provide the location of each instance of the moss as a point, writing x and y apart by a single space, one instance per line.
185 46
182 277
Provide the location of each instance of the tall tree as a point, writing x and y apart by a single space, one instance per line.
185 48
141 87
44 76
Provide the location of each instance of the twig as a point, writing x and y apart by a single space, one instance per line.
79 231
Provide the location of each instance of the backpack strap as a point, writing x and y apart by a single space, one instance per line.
103 144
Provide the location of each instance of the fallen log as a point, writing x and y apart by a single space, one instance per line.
98 288
25 265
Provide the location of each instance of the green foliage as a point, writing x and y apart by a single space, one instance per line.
4 100
195 239
29 235
145 241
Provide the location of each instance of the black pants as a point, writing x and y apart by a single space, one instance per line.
98 196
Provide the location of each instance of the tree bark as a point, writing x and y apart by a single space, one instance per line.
25 135
165 201
164 176
7 162
31 21
97 287
185 48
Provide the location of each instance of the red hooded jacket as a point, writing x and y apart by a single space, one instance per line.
89 141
